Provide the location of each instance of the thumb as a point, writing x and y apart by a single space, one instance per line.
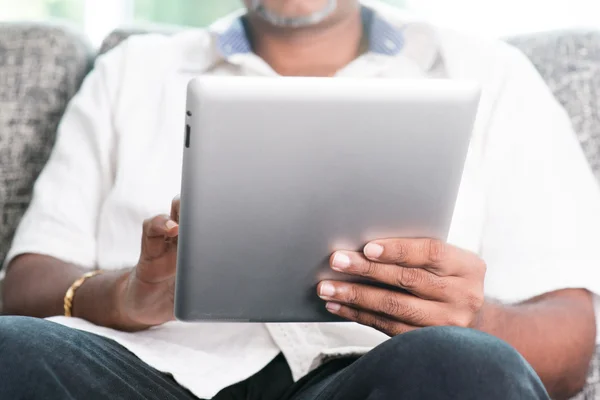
158 237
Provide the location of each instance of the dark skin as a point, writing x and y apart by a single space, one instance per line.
555 332
319 50
443 286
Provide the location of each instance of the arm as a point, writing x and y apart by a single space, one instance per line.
540 236
56 239
130 300
555 332
541 232
35 286
55 242
443 286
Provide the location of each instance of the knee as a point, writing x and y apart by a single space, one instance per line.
448 347
459 361
29 349
17 333
24 342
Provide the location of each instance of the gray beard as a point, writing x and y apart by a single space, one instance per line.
293 22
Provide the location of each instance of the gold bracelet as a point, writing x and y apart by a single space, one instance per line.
71 292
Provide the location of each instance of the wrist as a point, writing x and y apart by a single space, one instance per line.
123 320
101 300
488 316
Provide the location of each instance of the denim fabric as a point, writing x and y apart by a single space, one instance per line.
43 360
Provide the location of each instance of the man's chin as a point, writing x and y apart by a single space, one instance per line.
278 19
293 8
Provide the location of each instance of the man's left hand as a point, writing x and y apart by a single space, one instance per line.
442 285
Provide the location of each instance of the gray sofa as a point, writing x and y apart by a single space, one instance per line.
42 66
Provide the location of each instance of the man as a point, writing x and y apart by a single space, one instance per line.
528 207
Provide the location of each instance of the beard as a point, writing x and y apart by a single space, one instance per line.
276 19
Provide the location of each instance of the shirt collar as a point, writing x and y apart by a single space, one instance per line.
384 39
393 33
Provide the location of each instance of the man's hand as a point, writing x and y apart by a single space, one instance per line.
441 285
148 293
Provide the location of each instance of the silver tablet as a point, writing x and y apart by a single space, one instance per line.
280 172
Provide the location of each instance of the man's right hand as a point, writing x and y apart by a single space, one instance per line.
147 295
128 300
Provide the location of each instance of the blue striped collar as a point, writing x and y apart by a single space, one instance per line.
384 38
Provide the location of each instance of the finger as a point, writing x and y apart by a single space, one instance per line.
157 236
160 226
432 254
418 281
381 323
395 305
175 206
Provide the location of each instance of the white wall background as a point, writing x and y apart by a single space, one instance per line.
506 17
487 17
100 17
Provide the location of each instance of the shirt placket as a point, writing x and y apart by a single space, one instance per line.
299 343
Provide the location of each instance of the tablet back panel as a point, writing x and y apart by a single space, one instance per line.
280 172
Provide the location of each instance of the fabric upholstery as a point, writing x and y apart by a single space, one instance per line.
119 35
41 67
116 37
570 63
591 391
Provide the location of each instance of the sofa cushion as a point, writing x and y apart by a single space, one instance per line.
570 63
41 67
119 35
116 37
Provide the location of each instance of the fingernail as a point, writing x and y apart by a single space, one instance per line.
333 307
170 224
326 290
373 250
340 261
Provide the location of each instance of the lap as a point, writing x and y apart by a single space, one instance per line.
433 363
42 359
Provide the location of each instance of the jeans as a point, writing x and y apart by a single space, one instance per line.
43 360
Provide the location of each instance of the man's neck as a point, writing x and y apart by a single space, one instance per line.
314 51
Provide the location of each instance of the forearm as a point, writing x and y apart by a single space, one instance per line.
555 333
36 286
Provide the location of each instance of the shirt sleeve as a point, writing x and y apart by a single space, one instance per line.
62 218
542 225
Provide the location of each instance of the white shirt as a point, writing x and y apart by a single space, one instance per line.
528 202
